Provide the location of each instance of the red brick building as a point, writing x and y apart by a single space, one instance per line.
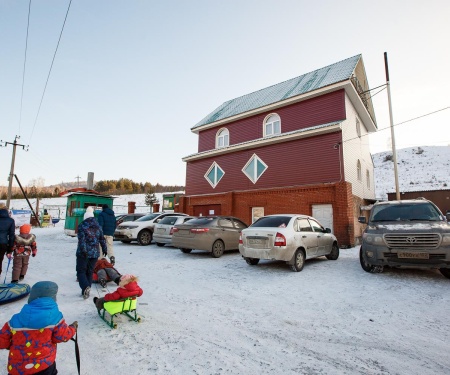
299 146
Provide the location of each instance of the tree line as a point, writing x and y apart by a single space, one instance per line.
107 187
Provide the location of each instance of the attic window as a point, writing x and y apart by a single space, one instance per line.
223 138
358 128
254 168
214 174
272 125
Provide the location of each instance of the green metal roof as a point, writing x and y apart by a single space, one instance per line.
317 79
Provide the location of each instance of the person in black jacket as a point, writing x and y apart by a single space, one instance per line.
7 227
107 221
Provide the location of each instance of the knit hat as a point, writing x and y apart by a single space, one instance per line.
43 289
126 279
25 229
89 213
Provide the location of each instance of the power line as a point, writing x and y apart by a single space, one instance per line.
51 66
24 65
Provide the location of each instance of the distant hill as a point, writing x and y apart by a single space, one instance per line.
419 168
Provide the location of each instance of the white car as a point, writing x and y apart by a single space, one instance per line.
287 237
141 230
163 232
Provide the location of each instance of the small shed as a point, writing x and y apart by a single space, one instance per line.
77 202
171 201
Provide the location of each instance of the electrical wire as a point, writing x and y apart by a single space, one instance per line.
51 66
24 65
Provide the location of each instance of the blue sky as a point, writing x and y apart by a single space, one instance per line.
131 78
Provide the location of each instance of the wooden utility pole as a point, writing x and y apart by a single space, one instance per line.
394 150
11 173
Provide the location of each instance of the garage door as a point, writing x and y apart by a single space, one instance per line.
324 213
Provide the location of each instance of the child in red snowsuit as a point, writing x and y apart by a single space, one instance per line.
24 246
128 287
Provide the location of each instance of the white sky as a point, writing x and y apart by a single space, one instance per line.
131 78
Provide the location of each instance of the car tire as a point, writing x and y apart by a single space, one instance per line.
299 261
160 244
186 251
445 272
144 237
125 241
366 266
252 261
334 254
218 249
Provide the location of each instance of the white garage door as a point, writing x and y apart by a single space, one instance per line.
324 213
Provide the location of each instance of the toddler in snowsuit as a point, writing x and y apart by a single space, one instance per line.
128 287
24 246
33 334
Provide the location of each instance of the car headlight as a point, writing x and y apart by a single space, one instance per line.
446 239
372 238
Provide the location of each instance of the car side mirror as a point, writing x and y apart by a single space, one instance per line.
327 230
362 220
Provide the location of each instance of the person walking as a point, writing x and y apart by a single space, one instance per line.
32 335
7 227
107 221
24 246
90 239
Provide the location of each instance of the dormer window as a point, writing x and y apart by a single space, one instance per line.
272 125
223 138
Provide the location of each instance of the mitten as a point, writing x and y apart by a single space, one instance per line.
74 324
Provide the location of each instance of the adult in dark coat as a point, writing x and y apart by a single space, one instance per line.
107 221
7 227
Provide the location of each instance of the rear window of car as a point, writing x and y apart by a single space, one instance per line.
148 217
169 220
405 212
201 221
272 222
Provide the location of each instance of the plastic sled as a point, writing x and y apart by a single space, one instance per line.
111 309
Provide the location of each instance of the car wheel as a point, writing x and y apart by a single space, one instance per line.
217 249
159 244
186 251
144 237
299 261
334 254
366 266
445 272
252 261
125 241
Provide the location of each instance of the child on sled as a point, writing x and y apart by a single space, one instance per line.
105 271
128 287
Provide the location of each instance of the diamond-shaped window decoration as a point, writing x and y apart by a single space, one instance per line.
254 168
214 174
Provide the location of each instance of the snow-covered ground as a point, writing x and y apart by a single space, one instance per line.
202 315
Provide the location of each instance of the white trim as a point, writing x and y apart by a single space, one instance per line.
216 181
265 124
255 176
218 137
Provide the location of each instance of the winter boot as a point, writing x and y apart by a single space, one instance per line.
112 260
102 283
117 280
21 277
86 292
14 281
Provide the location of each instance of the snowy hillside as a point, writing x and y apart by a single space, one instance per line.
419 168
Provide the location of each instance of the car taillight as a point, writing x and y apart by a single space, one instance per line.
173 230
280 240
199 230
240 239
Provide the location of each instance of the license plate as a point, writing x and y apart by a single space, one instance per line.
411 255
255 241
161 230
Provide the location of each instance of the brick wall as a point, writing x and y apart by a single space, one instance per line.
286 200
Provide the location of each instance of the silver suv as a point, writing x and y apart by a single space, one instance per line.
404 234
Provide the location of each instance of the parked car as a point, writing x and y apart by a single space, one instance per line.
287 237
121 218
214 234
141 230
405 233
163 232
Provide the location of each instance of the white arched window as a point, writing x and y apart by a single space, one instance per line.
272 125
222 138
358 170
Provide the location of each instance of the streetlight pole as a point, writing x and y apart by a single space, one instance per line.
394 150
11 173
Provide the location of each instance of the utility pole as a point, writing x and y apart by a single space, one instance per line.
394 150
11 173
78 180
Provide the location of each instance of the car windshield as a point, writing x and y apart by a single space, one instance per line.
147 217
405 212
272 222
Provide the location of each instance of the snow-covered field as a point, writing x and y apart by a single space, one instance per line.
202 315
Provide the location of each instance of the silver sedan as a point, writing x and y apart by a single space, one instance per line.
287 237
